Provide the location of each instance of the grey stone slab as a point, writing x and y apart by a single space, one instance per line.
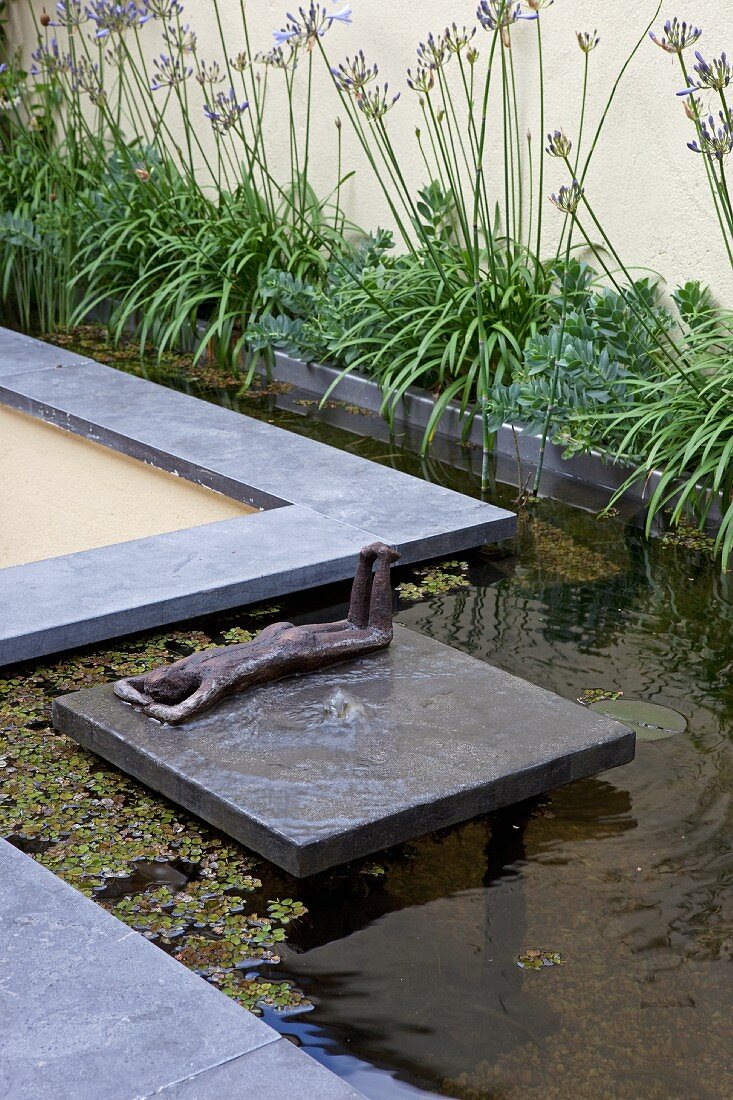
314 771
91 1010
221 448
21 354
78 599
274 1072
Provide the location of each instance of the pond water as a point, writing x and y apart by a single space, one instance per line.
411 964
628 876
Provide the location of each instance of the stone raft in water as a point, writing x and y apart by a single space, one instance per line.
316 770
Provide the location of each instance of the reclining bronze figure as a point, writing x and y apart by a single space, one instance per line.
194 684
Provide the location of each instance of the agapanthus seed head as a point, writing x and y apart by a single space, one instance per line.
241 62
180 38
374 103
279 57
715 140
210 74
587 40
538 5
422 80
568 198
677 36
433 52
559 144
164 9
457 39
169 72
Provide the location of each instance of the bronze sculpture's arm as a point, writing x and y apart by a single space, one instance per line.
185 688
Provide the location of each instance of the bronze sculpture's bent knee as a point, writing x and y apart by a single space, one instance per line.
196 683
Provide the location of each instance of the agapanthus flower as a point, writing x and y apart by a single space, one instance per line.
210 74
715 142
587 40
677 36
3 67
113 18
87 78
49 59
354 73
714 75
433 53
225 112
422 80
456 39
375 102
568 198
310 24
70 14
169 71
559 144
500 14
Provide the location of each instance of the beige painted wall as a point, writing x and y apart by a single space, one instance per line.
648 187
60 494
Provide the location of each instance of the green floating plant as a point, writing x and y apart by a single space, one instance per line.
448 577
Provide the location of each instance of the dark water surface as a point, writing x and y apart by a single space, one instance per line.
629 876
413 967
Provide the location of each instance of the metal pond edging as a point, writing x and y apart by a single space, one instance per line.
321 505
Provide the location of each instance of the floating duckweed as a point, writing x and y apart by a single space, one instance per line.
598 695
179 883
448 577
689 537
534 958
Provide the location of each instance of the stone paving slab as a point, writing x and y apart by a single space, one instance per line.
91 1010
21 354
184 434
317 770
79 599
328 502
278 1071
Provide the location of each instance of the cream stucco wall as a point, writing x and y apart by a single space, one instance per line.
60 494
648 187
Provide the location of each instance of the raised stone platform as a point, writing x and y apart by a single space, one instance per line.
317 770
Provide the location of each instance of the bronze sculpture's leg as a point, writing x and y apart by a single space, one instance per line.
361 589
380 605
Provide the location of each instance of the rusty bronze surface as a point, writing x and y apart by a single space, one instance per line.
188 687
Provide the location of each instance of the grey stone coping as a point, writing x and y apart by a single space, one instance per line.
21 354
317 770
52 605
91 1010
321 506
